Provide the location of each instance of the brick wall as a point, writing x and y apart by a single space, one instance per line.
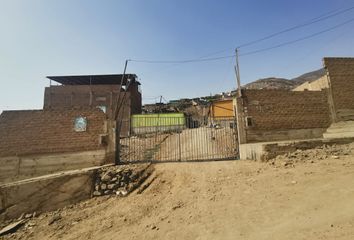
48 131
281 114
76 96
341 77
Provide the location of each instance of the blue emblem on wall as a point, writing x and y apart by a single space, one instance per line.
80 124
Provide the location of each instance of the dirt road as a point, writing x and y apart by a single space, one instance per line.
198 144
219 200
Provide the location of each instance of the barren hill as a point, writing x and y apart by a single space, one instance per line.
283 83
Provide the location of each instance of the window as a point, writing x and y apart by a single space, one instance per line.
249 122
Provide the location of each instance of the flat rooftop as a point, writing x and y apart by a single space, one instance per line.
106 79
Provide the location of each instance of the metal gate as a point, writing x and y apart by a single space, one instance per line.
173 139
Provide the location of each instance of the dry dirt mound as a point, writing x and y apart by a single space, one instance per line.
312 155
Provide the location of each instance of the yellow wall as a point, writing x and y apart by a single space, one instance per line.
222 108
317 85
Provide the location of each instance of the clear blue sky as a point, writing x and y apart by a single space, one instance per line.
62 37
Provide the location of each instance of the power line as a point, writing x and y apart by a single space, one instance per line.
244 54
182 61
298 40
314 20
310 22
203 58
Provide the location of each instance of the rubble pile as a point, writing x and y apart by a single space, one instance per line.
319 153
120 180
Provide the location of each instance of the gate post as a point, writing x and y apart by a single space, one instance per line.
117 141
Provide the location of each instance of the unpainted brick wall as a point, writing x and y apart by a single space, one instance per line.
341 74
275 110
78 96
49 131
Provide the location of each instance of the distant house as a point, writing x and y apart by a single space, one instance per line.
95 91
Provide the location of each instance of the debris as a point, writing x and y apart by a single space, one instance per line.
54 219
12 227
120 180
121 193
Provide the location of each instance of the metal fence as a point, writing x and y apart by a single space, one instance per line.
171 139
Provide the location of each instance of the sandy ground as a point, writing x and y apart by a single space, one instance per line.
219 200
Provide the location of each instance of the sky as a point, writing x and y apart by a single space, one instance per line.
39 38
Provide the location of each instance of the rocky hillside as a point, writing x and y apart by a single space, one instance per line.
283 83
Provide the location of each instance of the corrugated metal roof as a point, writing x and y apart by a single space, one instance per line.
108 79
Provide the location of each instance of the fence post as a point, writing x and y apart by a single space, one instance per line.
179 146
117 137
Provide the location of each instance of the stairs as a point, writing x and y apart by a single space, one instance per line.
343 129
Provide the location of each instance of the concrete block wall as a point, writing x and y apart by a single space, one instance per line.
282 115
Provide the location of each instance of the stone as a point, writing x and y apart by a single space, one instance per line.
97 187
28 215
111 186
107 192
121 192
106 177
103 186
97 193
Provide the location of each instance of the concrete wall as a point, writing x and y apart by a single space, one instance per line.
340 73
45 193
272 115
15 168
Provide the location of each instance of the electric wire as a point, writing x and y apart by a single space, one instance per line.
243 54
297 40
310 22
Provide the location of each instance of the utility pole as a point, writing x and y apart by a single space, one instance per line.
116 111
237 71
239 105
115 117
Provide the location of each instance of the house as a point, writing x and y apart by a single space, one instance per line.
95 91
